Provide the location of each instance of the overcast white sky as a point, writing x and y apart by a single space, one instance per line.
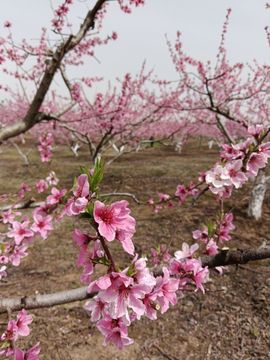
141 34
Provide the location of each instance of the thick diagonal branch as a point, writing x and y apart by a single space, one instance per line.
33 115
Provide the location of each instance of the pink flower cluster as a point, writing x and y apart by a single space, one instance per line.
81 194
160 255
60 13
15 329
16 240
126 5
215 234
24 188
239 162
123 296
45 146
188 269
20 232
182 192
126 296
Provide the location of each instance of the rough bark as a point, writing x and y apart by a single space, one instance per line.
257 195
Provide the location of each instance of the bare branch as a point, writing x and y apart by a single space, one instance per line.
121 194
236 257
26 204
45 300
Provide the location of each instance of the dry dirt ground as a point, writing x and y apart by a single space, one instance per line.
231 321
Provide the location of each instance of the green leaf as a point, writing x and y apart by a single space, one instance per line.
97 176
131 270
2 248
5 345
84 170
211 229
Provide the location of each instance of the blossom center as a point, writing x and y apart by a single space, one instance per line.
107 216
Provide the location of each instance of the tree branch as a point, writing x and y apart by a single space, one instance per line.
33 115
26 204
223 258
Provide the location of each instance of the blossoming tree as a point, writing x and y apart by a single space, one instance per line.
222 100
117 296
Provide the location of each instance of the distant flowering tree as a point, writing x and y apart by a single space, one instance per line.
223 100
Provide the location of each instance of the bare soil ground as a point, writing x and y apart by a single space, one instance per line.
231 321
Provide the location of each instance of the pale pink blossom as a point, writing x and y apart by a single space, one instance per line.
41 186
142 274
52 179
115 331
88 259
150 306
199 274
81 187
163 197
3 272
122 293
225 227
237 176
24 188
200 235
42 225
9 216
22 322
211 247
229 152
187 251
96 308
20 231
75 206
165 290
264 149
56 196
125 238
82 240
18 253
218 177
255 130
255 163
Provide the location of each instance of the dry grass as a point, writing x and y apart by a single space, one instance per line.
231 321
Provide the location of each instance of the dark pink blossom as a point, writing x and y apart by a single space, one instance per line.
181 193
30 354
114 218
